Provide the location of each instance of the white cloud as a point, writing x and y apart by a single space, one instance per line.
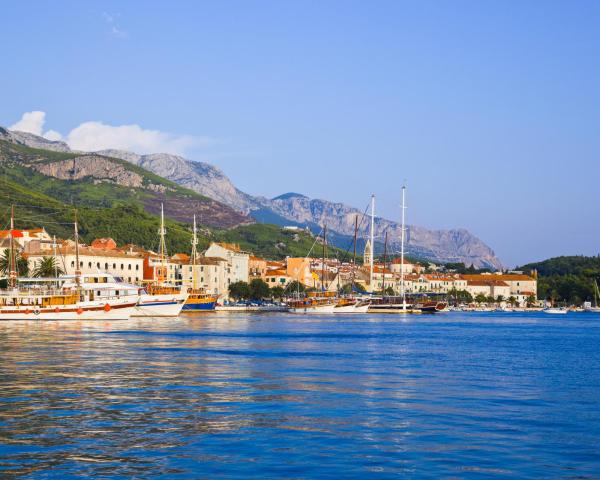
53 135
31 122
94 135
115 29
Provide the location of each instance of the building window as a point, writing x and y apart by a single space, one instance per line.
122 267
114 266
72 264
106 266
129 267
137 267
89 264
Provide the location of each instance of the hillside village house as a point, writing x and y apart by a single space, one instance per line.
128 265
23 237
238 260
212 274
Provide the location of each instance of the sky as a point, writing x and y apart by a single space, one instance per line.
489 111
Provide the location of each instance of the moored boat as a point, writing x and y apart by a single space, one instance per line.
556 310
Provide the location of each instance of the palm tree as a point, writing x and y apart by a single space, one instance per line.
47 267
22 266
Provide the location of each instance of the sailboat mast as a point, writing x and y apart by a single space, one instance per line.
323 259
384 264
354 254
402 290
55 257
77 266
372 249
194 243
162 247
12 259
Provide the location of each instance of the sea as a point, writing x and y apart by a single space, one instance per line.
216 395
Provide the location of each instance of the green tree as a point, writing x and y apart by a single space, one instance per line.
295 286
481 298
500 298
22 266
259 289
389 291
46 267
531 301
277 292
239 290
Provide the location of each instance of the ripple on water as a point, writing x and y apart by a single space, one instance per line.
452 395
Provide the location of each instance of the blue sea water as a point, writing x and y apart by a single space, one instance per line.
451 395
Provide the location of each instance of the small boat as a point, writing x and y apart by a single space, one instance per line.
312 305
199 300
160 301
556 310
352 306
587 306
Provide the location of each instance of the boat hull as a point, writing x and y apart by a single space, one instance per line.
313 309
397 308
555 311
165 305
99 312
351 309
199 305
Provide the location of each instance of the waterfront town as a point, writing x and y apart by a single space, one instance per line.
223 264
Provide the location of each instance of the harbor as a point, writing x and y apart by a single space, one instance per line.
106 281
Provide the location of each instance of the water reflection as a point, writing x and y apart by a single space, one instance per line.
301 397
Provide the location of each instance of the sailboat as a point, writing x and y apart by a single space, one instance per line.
73 297
393 304
316 302
588 307
198 299
161 299
351 304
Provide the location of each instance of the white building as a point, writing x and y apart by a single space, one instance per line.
236 258
127 265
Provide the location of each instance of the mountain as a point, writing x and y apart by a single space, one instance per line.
90 179
198 176
455 245
117 199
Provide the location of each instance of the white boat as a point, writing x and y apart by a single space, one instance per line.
587 306
355 307
326 308
555 310
160 305
64 298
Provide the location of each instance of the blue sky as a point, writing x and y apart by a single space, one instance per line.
489 110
